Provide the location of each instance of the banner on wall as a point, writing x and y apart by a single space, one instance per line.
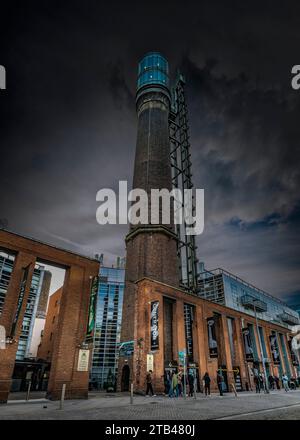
154 325
294 356
212 340
20 299
248 344
92 310
150 362
274 349
83 360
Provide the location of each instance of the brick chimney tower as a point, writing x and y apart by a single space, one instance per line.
151 249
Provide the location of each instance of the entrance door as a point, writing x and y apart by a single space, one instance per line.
125 378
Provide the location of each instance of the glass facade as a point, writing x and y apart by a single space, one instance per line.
30 313
6 267
263 342
285 355
253 342
153 69
230 325
188 324
225 288
108 326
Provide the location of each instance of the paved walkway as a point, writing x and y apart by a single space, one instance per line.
117 407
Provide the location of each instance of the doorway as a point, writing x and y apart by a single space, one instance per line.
125 378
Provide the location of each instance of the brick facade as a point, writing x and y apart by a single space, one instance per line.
147 291
45 349
73 313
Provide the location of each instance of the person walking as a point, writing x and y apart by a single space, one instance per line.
220 381
262 382
170 384
179 384
175 384
257 383
276 378
149 384
206 380
271 382
191 384
285 383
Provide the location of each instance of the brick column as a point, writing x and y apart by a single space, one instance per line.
70 334
179 334
226 345
142 330
201 341
240 357
8 355
267 333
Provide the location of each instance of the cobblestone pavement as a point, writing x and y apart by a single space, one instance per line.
276 405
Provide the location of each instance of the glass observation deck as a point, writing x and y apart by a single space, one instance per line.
289 319
153 70
250 302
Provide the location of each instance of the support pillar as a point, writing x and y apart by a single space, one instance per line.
8 355
69 336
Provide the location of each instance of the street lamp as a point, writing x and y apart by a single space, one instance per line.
261 349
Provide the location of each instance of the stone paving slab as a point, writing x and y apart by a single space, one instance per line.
154 408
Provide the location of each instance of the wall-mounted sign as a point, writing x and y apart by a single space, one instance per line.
274 349
150 362
154 325
294 356
83 360
20 299
2 337
248 344
212 340
92 309
126 349
237 378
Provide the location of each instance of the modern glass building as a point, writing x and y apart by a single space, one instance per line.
30 313
153 69
108 327
6 267
222 287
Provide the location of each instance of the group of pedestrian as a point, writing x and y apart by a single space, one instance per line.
274 382
177 384
259 382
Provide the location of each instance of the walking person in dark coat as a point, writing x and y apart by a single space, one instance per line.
220 381
149 384
257 383
191 384
276 378
206 380
271 382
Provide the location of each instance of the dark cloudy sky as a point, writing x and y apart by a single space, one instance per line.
68 124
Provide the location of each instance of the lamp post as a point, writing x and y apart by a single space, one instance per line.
261 350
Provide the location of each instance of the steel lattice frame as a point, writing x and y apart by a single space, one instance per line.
182 179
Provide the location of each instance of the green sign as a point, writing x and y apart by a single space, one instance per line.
126 348
92 309
20 299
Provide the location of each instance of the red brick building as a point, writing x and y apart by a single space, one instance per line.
73 314
172 338
159 319
45 349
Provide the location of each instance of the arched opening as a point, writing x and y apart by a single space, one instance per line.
125 378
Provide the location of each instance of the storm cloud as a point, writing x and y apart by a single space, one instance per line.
68 123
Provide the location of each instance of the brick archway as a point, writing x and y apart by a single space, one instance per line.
71 330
